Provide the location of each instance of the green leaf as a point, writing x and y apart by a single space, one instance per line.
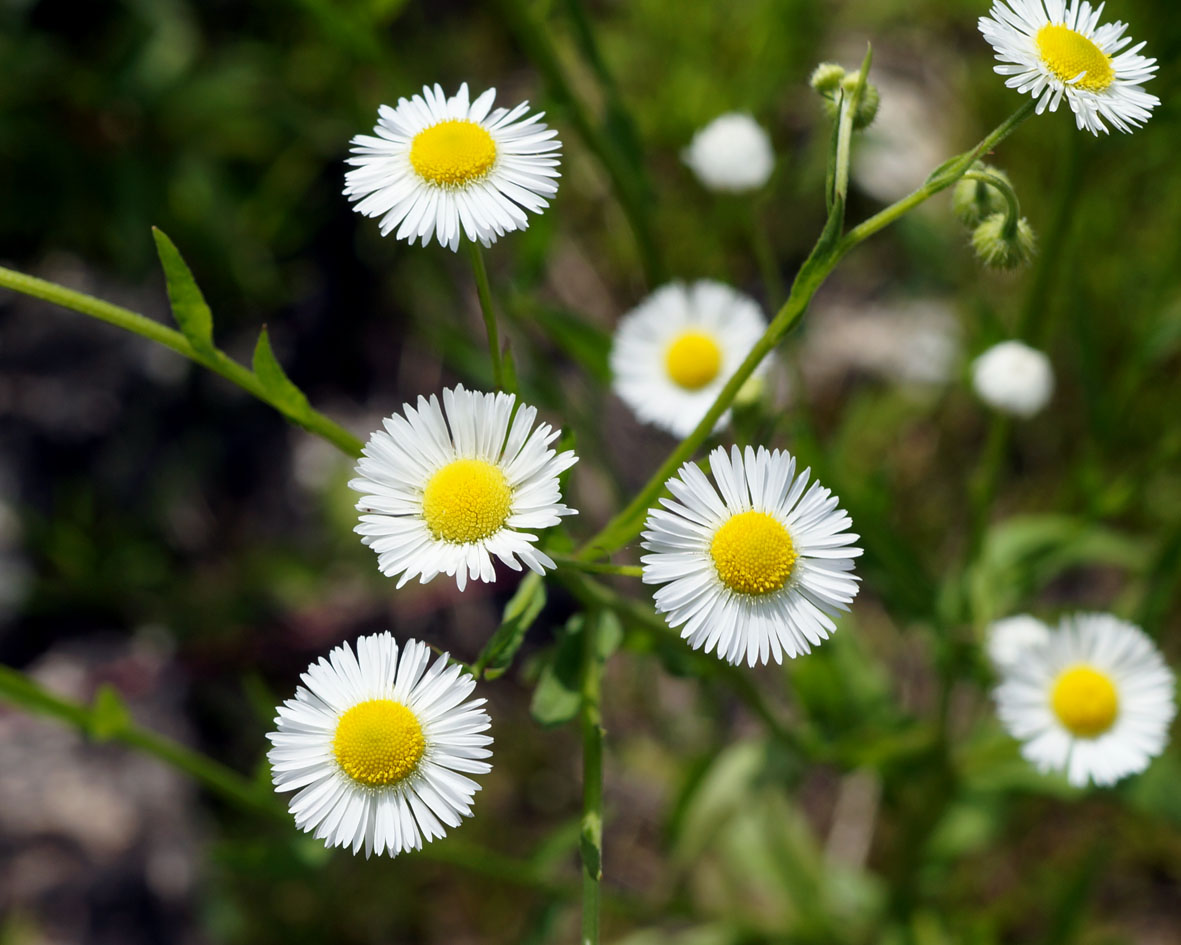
519 614
557 698
108 715
188 304
275 382
590 844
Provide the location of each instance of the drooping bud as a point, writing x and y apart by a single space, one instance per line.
974 201
1002 245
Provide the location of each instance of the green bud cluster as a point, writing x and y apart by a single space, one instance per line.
831 80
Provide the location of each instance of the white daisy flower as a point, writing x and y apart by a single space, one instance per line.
731 154
377 748
1095 700
1010 638
442 166
755 566
445 501
1013 378
673 353
1055 50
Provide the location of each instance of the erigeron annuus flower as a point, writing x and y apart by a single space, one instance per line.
1014 378
674 352
1054 50
442 167
755 566
731 154
447 488
1010 638
378 747
1094 700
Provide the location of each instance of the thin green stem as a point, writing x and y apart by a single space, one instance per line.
597 567
823 259
1013 206
488 309
536 41
311 420
592 779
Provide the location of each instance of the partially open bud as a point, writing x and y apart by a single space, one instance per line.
974 201
1002 245
826 78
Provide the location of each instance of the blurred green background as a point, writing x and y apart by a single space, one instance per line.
162 532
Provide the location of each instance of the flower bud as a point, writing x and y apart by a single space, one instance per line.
1001 246
974 201
826 77
867 108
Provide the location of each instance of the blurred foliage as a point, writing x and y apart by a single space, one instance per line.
898 812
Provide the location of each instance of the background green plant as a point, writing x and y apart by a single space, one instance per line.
184 508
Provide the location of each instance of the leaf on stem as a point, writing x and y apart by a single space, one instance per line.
557 698
519 614
108 715
275 382
189 308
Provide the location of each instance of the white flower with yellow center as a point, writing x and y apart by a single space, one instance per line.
731 154
675 351
1053 50
755 566
440 500
377 748
1094 700
438 166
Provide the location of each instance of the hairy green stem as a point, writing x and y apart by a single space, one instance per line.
592 779
824 257
488 310
215 360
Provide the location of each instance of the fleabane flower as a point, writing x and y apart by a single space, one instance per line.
673 353
1013 378
1055 50
755 564
1010 638
442 167
445 488
1094 700
377 746
731 154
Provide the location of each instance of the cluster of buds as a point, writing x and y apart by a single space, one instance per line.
833 83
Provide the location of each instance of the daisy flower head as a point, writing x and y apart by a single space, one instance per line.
1094 700
731 154
673 353
1010 638
445 167
378 744
1054 49
754 564
447 487
1013 378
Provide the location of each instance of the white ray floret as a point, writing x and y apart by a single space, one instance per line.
448 487
755 564
445 167
377 746
731 154
1010 638
675 351
1094 700
1056 50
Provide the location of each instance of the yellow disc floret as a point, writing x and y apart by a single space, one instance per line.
693 360
1085 700
378 742
453 153
467 500
753 553
1068 54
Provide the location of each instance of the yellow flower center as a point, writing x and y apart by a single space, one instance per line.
452 153
1067 54
1085 701
693 360
466 500
378 742
753 553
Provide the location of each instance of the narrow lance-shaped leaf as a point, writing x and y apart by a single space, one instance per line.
519 614
189 308
275 382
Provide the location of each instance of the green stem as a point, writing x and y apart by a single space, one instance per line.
1013 207
488 309
626 180
597 567
311 420
823 259
592 780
